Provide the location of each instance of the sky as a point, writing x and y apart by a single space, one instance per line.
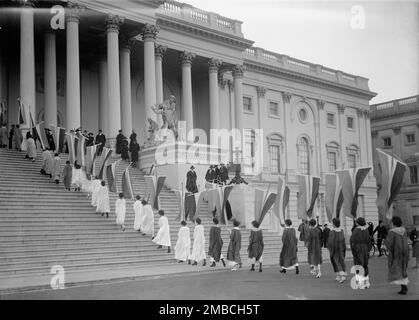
378 40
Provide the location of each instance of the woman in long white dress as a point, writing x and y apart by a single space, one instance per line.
198 251
31 147
163 236
77 176
102 200
56 169
183 244
120 211
96 183
147 219
138 212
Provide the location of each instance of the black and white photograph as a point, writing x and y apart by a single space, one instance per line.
207 156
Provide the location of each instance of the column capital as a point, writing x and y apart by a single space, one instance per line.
397 130
230 85
321 103
127 44
159 50
214 64
238 71
360 112
286 96
149 32
341 108
113 22
367 113
187 57
221 81
73 12
261 91
374 134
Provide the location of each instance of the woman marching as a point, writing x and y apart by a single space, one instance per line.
337 248
256 246
314 246
288 259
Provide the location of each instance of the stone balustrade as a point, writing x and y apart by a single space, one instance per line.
405 105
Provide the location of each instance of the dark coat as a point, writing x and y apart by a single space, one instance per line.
337 248
288 256
414 237
398 254
67 174
215 243
256 245
120 138
191 182
303 229
233 252
223 174
314 246
135 147
210 175
124 150
326 232
360 246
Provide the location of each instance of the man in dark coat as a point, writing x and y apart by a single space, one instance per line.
210 175
215 244
398 257
50 139
100 139
303 230
256 245
381 230
90 140
134 149
360 246
233 252
67 175
11 132
223 174
314 246
238 179
217 174
119 142
132 138
191 181
325 234
288 259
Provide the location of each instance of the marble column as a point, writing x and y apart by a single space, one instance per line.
238 72
320 146
342 143
369 141
27 61
103 96
73 112
50 80
286 98
214 104
126 109
187 108
113 23
149 33
362 135
159 52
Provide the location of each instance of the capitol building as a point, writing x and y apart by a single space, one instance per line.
102 64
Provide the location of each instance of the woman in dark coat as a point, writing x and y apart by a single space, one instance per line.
314 246
124 150
256 245
360 247
191 180
215 244
67 175
134 148
288 259
119 142
398 254
414 237
233 252
337 248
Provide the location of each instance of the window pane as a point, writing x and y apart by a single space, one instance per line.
273 108
350 122
247 104
331 119
410 138
413 174
303 158
275 167
331 157
352 161
387 142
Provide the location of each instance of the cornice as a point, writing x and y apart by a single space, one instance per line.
307 79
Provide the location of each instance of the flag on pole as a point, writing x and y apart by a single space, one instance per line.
392 173
352 180
223 194
80 155
40 128
126 185
307 194
106 155
266 204
333 196
70 146
281 201
154 185
180 197
111 177
90 158
199 199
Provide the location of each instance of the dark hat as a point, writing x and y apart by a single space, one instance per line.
192 167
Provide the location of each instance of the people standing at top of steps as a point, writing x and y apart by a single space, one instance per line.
96 183
31 147
119 142
4 137
163 235
77 177
337 248
147 219
132 138
67 175
183 244
233 252
314 246
138 213
101 140
11 132
124 150
120 211
191 180
56 168
288 259
215 244
210 175
360 246
223 174
102 200
256 245
90 140
17 138
47 162
198 250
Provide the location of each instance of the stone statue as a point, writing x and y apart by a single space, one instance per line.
153 127
168 111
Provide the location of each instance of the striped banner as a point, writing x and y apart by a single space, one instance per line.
281 201
126 185
59 137
70 146
352 180
40 127
223 193
333 196
154 185
307 195
106 155
199 200
111 177
267 205
21 118
80 155
392 173
90 158
180 197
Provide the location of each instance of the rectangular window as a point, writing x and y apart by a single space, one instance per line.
275 159
387 142
352 160
332 163
331 119
273 109
410 138
350 122
413 174
247 104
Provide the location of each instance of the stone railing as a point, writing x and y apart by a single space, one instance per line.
275 59
405 105
212 20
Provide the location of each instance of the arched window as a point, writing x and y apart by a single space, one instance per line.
332 149
275 152
303 156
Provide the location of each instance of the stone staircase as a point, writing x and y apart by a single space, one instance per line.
42 225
